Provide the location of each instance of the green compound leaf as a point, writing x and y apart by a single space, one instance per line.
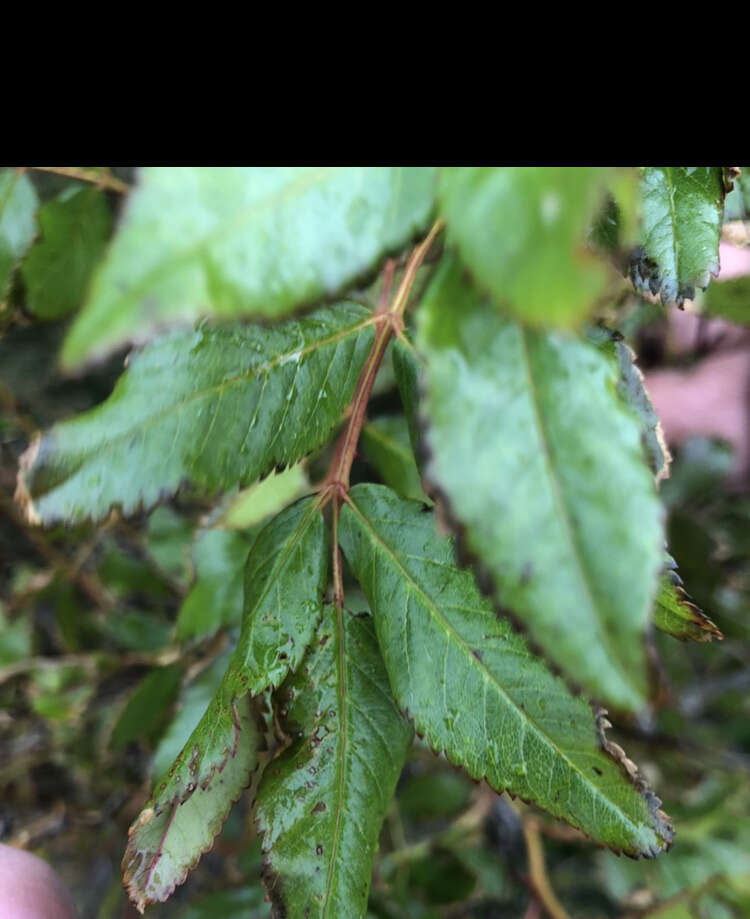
285 576
681 225
214 407
320 805
74 230
387 447
18 205
522 233
675 613
244 241
475 691
557 505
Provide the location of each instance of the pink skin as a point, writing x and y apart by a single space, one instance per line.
30 889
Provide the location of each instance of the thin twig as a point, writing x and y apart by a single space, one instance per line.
415 260
91 661
102 179
538 873
466 825
88 583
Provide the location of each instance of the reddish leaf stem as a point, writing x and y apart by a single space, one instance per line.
388 322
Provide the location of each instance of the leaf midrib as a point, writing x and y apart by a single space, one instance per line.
674 226
564 514
480 666
341 764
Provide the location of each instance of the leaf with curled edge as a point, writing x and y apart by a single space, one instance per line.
682 211
472 686
244 241
541 464
632 389
676 614
215 407
321 803
284 580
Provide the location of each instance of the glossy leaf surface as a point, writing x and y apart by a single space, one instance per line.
284 581
558 506
521 231
321 803
73 233
214 406
473 688
244 241
683 208
18 204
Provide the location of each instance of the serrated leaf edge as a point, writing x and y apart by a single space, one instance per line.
423 732
42 439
